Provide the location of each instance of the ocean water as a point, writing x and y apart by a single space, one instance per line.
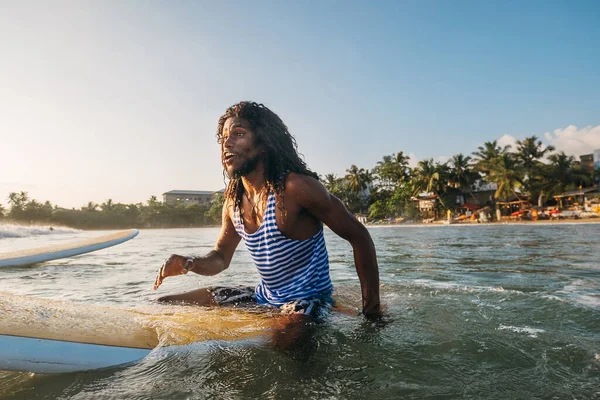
475 312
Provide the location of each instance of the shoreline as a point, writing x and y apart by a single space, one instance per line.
567 221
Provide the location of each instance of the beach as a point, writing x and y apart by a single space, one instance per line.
568 221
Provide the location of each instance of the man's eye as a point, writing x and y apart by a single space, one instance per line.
239 134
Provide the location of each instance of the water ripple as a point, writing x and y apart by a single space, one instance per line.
470 312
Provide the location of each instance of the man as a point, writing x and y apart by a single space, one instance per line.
277 205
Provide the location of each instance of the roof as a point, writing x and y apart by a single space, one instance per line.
578 192
424 197
513 202
191 192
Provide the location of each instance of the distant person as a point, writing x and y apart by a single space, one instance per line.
278 207
482 216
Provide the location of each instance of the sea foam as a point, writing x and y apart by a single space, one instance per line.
23 231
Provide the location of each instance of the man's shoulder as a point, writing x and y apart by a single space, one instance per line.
298 183
305 190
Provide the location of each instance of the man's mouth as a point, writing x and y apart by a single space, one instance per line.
228 157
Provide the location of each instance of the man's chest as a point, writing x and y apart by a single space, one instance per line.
293 224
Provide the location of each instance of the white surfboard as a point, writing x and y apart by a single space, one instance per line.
50 336
41 254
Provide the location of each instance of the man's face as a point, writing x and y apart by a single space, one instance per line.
239 151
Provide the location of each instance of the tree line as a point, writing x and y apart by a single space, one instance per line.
110 215
529 171
532 171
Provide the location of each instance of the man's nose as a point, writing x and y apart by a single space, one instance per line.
229 140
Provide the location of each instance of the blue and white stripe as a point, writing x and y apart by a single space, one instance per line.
289 269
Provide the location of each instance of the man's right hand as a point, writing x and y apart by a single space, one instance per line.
172 266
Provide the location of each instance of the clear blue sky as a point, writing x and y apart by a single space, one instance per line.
114 99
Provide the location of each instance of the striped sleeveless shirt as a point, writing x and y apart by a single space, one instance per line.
289 269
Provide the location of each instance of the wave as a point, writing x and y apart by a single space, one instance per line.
532 332
23 231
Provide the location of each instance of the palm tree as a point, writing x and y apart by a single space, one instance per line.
330 181
429 177
461 175
90 206
401 167
392 171
107 205
17 202
153 202
426 177
530 151
486 155
507 174
562 174
384 173
401 159
357 178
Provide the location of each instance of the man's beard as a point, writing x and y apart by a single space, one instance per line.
249 166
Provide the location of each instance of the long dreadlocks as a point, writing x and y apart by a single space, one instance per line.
281 150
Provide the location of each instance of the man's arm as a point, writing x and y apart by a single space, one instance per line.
214 262
312 196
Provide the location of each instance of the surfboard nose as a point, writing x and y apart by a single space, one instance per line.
48 253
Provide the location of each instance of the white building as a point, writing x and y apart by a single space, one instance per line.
202 197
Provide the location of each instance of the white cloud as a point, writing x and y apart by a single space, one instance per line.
414 161
443 159
573 141
508 140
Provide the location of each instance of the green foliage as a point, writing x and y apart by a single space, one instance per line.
507 174
336 186
563 173
528 155
215 211
392 171
110 215
378 210
411 212
486 156
17 202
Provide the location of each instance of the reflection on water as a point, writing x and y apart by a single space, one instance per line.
476 312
